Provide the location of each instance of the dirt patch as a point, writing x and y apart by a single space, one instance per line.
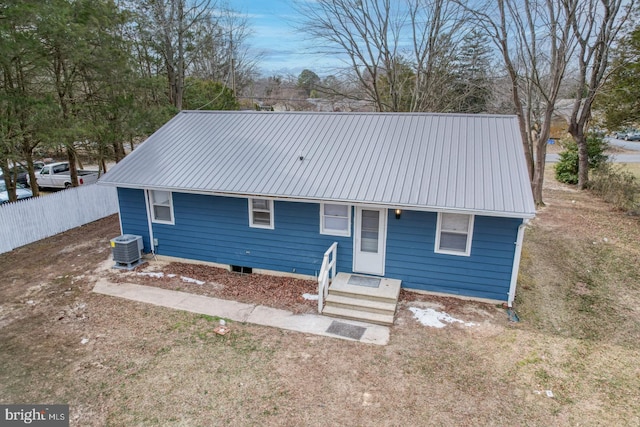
118 362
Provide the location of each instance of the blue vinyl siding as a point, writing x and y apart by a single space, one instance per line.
216 229
486 273
133 214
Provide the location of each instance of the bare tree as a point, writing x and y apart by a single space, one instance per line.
596 26
436 34
536 42
168 26
371 35
223 51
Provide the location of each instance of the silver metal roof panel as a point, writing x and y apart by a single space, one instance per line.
451 162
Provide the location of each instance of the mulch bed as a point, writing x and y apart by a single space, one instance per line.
273 291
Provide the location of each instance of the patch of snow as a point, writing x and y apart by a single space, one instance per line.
547 393
434 318
157 275
84 340
310 297
190 280
31 302
171 276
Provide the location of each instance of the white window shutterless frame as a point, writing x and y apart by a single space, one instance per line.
261 213
454 234
161 206
335 220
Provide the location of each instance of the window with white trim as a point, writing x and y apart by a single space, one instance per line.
261 213
161 206
335 220
454 233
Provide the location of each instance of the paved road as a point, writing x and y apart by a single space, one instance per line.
617 158
627 145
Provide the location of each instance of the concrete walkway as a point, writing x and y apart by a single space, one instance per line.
249 313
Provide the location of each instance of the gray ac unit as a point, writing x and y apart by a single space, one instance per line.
126 249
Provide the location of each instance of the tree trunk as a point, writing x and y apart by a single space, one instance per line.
583 158
8 181
118 151
32 173
73 170
181 68
538 171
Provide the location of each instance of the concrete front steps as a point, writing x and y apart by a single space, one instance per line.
363 303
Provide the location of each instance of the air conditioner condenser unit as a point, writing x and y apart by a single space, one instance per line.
127 251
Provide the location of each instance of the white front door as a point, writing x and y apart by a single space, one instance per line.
370 241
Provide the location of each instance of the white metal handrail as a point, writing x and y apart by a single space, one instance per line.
327 273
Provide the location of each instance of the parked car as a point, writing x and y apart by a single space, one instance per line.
623 134
634 136
57 175
22 174
619 134
21 192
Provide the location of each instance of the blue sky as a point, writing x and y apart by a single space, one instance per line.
285 50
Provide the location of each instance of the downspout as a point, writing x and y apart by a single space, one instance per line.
516 263
148 206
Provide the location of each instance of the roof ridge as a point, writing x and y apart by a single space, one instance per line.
355 113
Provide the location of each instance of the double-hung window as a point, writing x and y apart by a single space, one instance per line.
261 213
161 206
454 234
335 220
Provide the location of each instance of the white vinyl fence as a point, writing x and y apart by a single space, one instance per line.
30 220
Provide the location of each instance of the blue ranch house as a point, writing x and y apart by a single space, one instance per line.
438 201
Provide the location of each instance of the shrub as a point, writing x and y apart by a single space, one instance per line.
567 166
617 186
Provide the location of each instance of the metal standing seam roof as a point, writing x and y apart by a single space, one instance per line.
453 162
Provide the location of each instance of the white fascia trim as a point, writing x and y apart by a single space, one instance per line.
516 263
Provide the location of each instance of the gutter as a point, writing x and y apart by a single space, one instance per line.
516 263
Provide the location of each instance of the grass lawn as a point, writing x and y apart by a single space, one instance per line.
573 359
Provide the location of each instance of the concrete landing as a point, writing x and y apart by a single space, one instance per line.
363 298
387 291
249 313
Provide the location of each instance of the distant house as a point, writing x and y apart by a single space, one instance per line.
438 201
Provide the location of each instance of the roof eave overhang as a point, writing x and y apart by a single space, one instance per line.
425 208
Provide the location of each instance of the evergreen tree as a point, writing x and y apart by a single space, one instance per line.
308 81
472 73
619 100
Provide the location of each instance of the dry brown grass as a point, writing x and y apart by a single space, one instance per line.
633 168
144 365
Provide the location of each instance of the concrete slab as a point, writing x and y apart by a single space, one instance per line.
239 312
231 310
387 290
